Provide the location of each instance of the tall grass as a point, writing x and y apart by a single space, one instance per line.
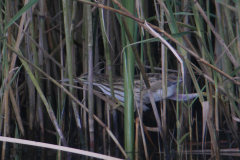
42 42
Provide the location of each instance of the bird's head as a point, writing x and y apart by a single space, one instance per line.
83 77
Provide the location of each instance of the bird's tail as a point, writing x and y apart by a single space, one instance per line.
183 97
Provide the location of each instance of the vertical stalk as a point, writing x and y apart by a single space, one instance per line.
190 129
63 74
40 59
148 46
67 18
220 48
106 51
35 61
6 70
47 43
7 123
128 69
2 33
98 100
78 120
98 104
31 88
164 77
85 70
90 76
187 79
108 60
228 66
178 122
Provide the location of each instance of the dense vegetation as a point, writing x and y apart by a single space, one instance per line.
43 42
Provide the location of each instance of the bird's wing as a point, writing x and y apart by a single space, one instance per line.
156 85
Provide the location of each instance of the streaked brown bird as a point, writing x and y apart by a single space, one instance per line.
155 80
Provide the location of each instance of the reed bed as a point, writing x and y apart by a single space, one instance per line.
43 42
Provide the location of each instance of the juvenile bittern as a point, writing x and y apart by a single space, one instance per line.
155 80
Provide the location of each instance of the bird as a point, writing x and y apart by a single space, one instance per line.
155 80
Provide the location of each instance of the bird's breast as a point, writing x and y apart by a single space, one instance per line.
158 94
